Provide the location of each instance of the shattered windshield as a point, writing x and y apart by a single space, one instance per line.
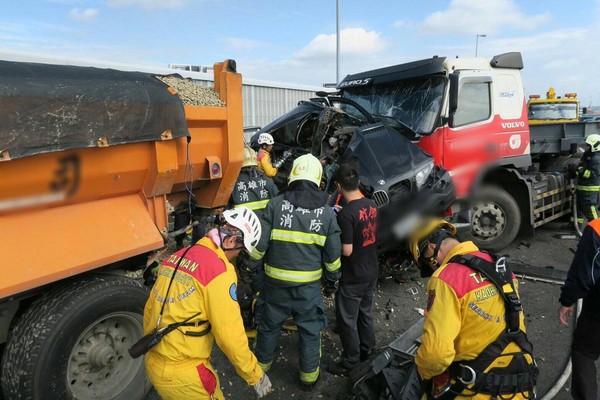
415 102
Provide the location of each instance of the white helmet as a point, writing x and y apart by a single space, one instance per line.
594 141
306 167
265 138
246 221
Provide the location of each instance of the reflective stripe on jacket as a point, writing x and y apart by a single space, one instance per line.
300 244
205 281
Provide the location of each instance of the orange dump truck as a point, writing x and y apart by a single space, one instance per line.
93 164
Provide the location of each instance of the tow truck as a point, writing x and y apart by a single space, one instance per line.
553 109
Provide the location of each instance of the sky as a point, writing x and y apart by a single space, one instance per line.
295 41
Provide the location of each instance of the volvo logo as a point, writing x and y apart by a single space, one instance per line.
517 124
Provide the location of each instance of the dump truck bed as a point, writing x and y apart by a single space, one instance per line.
92 161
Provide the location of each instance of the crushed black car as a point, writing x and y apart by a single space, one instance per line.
400 177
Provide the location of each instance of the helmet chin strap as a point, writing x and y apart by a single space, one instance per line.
225 233
432 262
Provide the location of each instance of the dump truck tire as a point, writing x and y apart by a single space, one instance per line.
496 219
72 343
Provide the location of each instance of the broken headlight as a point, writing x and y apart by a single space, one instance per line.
423 173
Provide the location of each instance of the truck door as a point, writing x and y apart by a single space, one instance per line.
487 125
467 142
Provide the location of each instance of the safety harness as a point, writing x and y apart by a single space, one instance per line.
520 375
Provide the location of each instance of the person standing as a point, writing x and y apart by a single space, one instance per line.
354 297
588 180
196 286
253 189
300 242
474 344
266 142
582 283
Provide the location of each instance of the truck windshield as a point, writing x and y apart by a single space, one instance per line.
415 102
553 111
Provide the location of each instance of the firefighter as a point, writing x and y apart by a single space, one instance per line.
582 283
588 180
265 141
198 284
474 343
253 189
300 242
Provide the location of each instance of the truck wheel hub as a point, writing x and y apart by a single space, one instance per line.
488 220
102 352
99 365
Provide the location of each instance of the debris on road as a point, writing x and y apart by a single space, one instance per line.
566 236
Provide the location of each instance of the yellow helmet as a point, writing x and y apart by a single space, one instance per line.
249 157
306 167
594 141
430 231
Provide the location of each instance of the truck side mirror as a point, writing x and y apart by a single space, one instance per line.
453 100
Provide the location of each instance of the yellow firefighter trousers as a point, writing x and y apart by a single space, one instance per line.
189 379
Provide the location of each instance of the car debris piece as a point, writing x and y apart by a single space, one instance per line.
565 236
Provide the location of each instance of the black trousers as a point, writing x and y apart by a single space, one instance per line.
585 350
354 314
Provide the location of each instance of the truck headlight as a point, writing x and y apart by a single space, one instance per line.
423 173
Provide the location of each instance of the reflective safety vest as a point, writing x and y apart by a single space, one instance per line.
299 245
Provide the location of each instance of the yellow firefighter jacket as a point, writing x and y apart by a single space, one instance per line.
205 281
465 313
264 163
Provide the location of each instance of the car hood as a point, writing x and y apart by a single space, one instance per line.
384 155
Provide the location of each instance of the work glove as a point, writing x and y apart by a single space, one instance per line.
572 170
330 288
263 387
